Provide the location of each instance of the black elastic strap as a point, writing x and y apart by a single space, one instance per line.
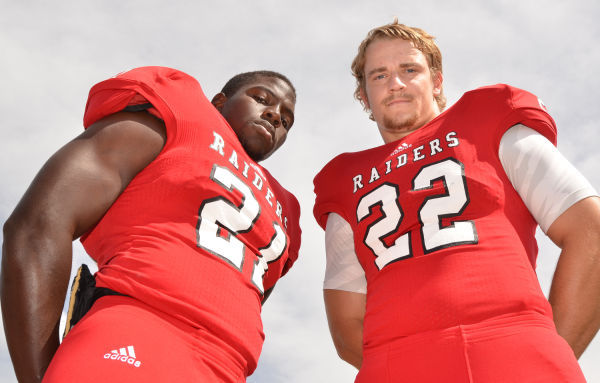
100 292
137 108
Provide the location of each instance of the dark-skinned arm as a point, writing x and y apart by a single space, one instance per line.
67 198
575 290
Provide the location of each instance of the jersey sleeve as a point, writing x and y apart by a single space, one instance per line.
327 192
530 111
514 106
138 88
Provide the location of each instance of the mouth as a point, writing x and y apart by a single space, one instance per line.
266 129
395 101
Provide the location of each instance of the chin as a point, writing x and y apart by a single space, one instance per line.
400 123
256 149
256 154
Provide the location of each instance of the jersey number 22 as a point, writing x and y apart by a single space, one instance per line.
434 208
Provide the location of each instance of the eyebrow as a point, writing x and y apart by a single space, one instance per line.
376 70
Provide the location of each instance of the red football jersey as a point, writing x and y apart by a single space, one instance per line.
203 230
442 235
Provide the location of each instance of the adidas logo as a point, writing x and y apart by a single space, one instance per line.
125 355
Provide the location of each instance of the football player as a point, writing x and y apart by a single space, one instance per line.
430 237
190 234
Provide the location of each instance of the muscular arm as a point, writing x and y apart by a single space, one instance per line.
575 290
345 314
563 203
67 198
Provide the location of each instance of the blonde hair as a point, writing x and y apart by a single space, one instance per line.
421 40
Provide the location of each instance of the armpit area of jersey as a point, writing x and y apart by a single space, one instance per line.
139 104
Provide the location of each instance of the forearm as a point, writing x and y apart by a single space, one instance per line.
575 296
34 279
347 338
575 290
345 314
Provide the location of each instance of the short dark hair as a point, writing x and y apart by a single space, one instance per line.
239 80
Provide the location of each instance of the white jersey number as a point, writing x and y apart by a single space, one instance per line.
221 221
434 208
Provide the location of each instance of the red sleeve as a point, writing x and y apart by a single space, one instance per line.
511 106
138 86
139 101
529 110
327 196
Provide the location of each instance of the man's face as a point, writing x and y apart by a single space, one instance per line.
261 113
399 88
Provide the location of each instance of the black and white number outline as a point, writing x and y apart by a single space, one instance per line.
443 179
270 253
382 260
230 232
384 214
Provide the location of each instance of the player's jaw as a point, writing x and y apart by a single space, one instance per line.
259 138
398 113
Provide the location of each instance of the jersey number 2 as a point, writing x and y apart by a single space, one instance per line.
220 223
434 208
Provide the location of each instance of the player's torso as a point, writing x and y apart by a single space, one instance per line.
202 231
441 233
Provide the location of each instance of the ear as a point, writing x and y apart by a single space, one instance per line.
364 98
438 79
219 100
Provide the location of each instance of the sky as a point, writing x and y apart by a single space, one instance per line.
53 52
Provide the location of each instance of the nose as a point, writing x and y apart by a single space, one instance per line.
395 83
272 114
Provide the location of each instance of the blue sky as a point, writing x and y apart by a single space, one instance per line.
54 52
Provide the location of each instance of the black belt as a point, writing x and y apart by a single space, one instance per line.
83 295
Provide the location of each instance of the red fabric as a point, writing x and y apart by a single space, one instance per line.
125 340
456 241
138 99
148 245
520 348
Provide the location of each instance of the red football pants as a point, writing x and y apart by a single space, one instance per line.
524 349
124 340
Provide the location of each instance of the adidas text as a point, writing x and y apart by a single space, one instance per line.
124 355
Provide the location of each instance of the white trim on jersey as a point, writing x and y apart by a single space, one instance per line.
546 181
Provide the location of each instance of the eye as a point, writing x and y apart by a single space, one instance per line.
260 99
379 77
284 123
